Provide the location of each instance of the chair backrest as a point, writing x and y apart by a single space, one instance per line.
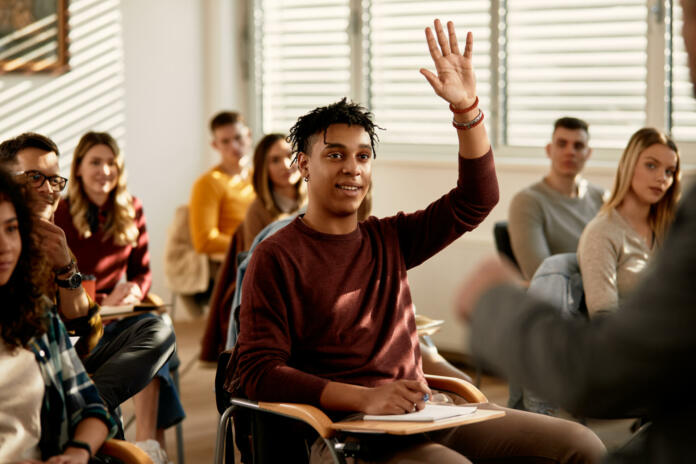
558 281
502 241
185 270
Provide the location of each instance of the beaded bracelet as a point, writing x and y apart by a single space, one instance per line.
465 110
78 444
469 124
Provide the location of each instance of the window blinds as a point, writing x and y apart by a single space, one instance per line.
305 57
582 58
683 103
402 100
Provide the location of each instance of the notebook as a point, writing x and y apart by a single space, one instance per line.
431 413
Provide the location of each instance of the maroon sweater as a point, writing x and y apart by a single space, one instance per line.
319 307
104 259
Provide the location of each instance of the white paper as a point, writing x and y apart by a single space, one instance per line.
115 310
431 413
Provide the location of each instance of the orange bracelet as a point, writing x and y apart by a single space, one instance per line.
465 110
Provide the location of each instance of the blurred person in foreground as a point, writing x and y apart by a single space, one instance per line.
635 362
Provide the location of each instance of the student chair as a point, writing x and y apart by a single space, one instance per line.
124 452
306 422
502 241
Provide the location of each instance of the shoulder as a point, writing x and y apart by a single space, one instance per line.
595 193
530 198
209 179
604 227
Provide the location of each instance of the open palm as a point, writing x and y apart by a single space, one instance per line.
455 80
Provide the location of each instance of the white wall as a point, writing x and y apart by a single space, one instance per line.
409 185
165 115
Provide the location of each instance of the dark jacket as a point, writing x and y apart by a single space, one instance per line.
636 362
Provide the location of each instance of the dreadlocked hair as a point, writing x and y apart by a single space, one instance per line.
23 306
319 119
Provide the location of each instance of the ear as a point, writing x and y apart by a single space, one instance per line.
213 144
548 150
303 163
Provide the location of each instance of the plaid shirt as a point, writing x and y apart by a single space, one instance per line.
70 396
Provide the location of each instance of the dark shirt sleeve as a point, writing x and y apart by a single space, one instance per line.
138 270
623 364
261 369
424 233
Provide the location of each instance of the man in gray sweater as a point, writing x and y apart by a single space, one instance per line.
548 217
636 362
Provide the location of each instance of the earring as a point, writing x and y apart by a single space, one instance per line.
306 179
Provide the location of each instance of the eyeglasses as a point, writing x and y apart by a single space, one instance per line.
37 178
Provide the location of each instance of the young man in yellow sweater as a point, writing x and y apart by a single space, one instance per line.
221 196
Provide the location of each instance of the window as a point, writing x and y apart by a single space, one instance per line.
402 100
536 60
682 103
305 58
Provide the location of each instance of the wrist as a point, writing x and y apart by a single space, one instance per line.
64 270
464 106
78 449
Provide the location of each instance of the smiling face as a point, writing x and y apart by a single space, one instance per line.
10 241
339 167
44 200
98 172
568 151
278 161
654 173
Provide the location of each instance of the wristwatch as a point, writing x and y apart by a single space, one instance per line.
71 283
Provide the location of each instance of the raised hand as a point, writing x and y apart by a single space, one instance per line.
455 80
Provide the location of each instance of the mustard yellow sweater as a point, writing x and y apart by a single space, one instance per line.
218 205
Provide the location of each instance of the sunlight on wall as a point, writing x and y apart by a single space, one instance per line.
88 97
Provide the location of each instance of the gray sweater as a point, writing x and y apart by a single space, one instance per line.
612 255
636 361
544 222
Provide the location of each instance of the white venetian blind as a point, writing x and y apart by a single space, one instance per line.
402 100
305 57
683 103
582 58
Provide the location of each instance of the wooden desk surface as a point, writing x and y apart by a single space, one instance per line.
410 428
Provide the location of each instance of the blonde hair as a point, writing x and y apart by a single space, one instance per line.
661 213
261 181
120 217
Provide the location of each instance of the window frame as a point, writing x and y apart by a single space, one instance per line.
658 83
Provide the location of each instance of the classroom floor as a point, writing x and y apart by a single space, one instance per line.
198 398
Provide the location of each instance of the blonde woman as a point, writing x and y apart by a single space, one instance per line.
277 183
105 229
617 244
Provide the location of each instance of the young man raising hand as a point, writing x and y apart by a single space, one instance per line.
327 317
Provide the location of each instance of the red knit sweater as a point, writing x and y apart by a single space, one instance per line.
319 307
103 258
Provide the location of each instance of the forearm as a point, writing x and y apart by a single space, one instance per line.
74 303
91 431
214 242
338 396
473 143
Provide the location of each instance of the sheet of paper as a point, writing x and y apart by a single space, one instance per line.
113 310
431 413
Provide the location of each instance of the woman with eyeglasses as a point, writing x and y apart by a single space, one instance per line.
49 408
105 228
